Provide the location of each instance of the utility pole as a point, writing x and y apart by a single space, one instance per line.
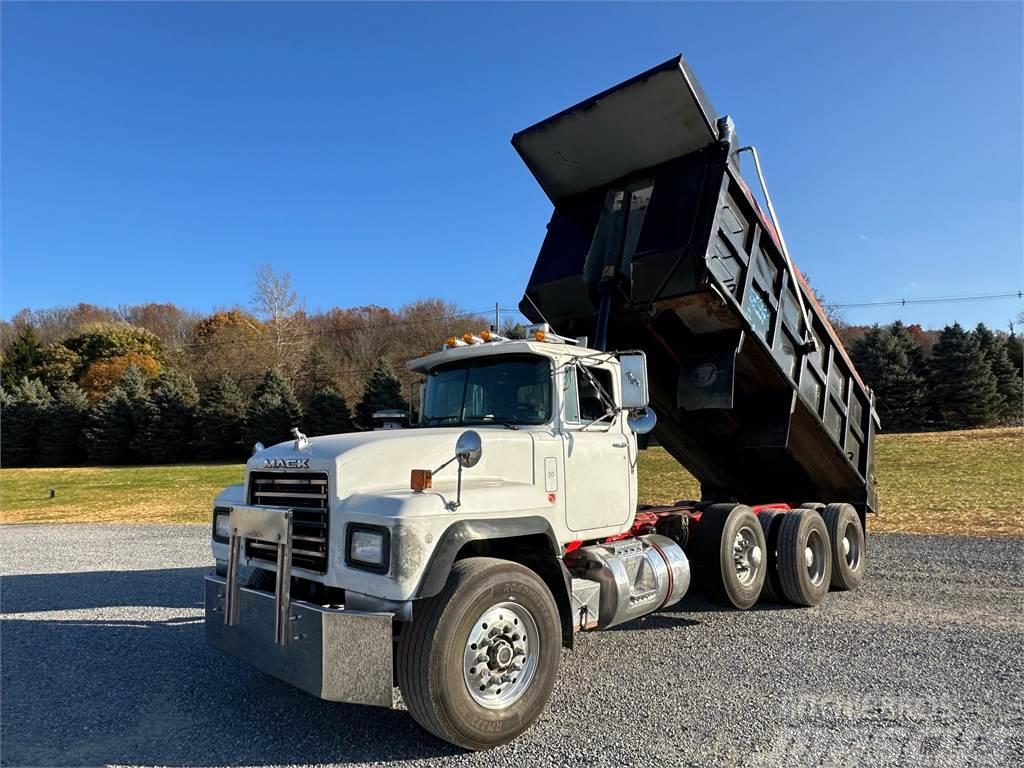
497 318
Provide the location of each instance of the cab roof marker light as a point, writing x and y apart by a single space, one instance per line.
489 336
452 342
543 332
470 339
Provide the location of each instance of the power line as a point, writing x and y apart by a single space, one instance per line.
930 300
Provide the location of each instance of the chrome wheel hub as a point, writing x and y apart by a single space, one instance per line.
746 555
814 557
851 546
502 654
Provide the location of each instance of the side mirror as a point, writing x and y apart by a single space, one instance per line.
633 371
642 421
468 449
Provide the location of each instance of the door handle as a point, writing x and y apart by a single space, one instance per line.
620 445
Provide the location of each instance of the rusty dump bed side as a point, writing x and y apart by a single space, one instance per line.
673 256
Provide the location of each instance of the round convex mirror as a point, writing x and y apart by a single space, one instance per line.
469 448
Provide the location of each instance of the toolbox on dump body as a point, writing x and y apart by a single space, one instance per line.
657 243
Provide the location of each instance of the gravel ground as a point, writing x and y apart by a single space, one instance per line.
104 662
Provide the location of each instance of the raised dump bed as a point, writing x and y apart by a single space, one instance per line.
656 243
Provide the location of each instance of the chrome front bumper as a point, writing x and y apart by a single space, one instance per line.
333 653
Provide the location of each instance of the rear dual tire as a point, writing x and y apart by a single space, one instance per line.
803 557
770 519
732 555
846 534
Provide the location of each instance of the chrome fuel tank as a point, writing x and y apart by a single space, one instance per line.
637 576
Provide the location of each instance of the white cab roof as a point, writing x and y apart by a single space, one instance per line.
495 348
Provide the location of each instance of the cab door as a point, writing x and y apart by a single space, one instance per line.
597 464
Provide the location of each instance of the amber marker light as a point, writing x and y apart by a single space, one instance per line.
421 480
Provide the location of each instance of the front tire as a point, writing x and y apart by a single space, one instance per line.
477 665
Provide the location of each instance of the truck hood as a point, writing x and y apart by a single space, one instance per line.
381 461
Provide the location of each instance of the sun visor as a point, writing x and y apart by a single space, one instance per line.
647 120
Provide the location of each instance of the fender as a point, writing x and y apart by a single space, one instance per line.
457 535
547 564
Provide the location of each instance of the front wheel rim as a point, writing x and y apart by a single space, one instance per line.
502 655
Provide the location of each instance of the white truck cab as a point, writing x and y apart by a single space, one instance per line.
525 450
556 445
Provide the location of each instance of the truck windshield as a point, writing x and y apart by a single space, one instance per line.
502 389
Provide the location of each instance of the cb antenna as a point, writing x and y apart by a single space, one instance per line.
527 295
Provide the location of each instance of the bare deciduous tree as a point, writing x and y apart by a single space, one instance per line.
282 312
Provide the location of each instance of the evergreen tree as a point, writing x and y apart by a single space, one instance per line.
6 409
273 410
23 422
906 341
110 429
314 376
64 441
327 414
513 330
113 425
220 421
383 390
997 354
964 390
20 359
1015 348
165 429
6 405
134 383
881 358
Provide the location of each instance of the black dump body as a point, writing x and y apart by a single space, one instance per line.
657 244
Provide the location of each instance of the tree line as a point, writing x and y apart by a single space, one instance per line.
939 379
156 383
165 419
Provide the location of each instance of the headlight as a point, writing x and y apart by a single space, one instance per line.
368 547
221 525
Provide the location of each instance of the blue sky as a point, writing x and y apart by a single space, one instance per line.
159 152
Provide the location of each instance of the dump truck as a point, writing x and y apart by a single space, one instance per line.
456 559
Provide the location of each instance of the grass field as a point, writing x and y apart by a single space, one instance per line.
947 482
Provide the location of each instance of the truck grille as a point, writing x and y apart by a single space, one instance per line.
305 493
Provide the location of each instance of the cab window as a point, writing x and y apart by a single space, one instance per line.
586 397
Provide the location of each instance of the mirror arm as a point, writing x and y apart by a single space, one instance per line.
451 506
467 453
453 458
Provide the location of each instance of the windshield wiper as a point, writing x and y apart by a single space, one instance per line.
493 420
